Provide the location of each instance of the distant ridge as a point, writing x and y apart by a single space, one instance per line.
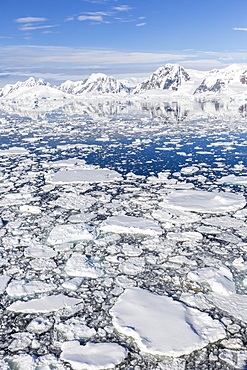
167 81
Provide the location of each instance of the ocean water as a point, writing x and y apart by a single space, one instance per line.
168 224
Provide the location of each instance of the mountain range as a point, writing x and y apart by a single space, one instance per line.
170 80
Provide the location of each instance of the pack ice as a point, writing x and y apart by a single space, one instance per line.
204 201
162 326
131 225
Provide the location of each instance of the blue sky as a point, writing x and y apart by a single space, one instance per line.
70 39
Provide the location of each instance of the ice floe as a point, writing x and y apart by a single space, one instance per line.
233 179
19 288
85 176
234 304
204 201
131 225
15 150
163 326
75 328
220 279
93 356
70 233
81 266
44 305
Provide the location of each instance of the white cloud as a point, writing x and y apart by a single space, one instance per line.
122 8
96 18
5 37
140 24
29 27
30 20
240 29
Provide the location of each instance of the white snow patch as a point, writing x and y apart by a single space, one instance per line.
15 150
92 356
204 201
70 233
234 304
131 225
163 326
175 216
25 208
4 279
41 251
45 304
233 179
19 288
85 176
75 328
79 265
220 280
191 236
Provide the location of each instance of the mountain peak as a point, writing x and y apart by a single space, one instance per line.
168 77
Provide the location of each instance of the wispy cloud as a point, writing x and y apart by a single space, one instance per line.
95 18
29 27
240 29
5 37
122 8
30 20
141 24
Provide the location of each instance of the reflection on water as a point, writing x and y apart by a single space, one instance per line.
175 111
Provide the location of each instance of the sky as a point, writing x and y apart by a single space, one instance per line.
70 39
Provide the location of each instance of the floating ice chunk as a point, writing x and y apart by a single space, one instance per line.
223 222
41 251
21 362
71 233
208 230
198 300
75 201
15 150
71 162
81 266
4 279
183 260
21 341
45 304
189 170
204 201
236 359
85 176
240 264
132 266
131 225
40 325
72 284
191 236
163 326
234 304
175 216
220 280
233 179
93 356
75 328
19 288
30 209
81 217
42 264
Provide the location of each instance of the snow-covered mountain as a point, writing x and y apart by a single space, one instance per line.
168 77
31 89
229 80
96 83
168 82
